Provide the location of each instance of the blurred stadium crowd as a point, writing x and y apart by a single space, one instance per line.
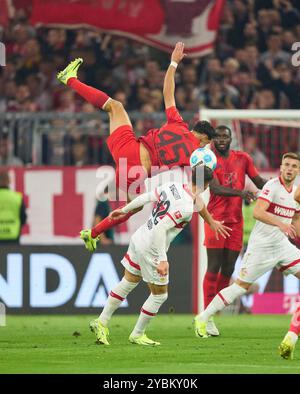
250 68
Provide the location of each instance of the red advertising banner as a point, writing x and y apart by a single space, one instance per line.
158 23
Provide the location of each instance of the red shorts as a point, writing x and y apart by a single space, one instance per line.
234 242
125 150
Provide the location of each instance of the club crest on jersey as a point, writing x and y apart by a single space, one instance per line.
178 215
266 192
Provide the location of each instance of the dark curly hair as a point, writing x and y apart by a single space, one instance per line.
204 127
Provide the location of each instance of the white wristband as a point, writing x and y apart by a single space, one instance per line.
174 64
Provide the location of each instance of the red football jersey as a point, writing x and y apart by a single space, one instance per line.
231 172
172 144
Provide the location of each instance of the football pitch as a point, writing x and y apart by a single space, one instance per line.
64 344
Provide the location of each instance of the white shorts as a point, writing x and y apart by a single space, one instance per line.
261 258
143 264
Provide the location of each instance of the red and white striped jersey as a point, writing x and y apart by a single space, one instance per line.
282 205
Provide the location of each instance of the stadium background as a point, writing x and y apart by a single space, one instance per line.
47 144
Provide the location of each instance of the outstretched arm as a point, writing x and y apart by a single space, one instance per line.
133 206
225 191
169 81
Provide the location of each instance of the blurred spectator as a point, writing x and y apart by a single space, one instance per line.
7 157
12 211
79 151
259 158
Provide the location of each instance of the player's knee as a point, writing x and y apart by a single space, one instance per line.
159 299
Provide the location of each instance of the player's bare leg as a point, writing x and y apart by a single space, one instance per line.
100 326
158 296
117 113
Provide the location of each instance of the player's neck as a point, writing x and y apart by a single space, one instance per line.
287 184
224 153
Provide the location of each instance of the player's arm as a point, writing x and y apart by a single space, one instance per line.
253 173
297 195
169 81
216 226
134 205
258 181
296 223
260 213
219 190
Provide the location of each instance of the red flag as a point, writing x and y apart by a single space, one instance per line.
159 23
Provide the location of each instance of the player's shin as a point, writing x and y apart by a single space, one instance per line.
115 298
108 223
223 298
148 312
94 96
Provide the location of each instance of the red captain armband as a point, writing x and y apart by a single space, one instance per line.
295 241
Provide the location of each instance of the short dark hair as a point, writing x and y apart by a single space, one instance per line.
204 127
291 155
223 127
198 176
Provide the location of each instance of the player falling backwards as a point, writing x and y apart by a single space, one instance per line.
277 215
170 146
146 257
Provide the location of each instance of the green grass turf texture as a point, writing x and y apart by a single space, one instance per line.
46 344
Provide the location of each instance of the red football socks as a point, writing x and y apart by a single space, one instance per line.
107 223
295 323
209 287
92 95
222 282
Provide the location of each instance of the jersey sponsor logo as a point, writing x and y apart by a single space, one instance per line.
175 192
279 210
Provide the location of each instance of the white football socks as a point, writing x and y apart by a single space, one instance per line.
148 312
293 336
115 298
222 299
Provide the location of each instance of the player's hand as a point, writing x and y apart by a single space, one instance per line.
163 268
178 54
220 229
248 196
288 229
117 214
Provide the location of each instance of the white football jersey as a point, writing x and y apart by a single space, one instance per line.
282 205
174 202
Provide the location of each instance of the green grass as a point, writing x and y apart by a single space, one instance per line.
46 344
